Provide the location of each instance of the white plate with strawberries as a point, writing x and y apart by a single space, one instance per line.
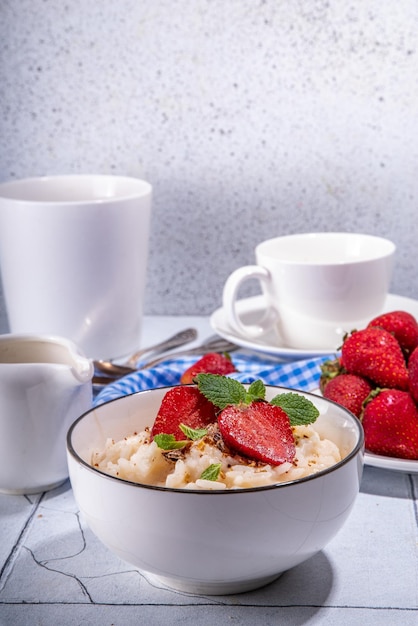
391 463
251 309
387 462
376 378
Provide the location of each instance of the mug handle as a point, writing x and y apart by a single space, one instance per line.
230 293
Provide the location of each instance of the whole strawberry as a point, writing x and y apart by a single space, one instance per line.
390 424
402 325
374 353
211 363
413 374
348 390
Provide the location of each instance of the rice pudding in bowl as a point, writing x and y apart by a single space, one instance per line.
212 539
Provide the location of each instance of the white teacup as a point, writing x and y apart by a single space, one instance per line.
317 287
45 385
73 258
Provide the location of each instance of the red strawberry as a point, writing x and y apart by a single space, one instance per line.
212 363
402 325
183 405
390 423
250 425
375 354
258 430
348 390
413 374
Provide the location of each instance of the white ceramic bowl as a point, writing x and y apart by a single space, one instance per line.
212 542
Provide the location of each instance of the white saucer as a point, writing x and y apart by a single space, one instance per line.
251 309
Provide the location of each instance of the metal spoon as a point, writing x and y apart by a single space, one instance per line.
212 344
179 339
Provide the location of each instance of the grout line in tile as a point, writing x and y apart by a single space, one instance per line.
9 561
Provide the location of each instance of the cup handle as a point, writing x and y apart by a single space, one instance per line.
230 293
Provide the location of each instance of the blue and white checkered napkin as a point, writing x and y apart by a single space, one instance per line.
303 375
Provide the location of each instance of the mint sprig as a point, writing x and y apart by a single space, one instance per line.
169 442
223 391
256 391
299 409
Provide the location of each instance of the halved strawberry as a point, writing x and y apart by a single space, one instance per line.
211 363
259 430
183 405
402 325
250 425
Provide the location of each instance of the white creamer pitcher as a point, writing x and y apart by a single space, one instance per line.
45 384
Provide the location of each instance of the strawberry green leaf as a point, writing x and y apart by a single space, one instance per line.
211 472
299 409
221 390
193 433
169 442
256 391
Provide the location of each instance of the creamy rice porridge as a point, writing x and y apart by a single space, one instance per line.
139 459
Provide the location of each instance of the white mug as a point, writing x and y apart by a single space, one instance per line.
73 258
317 287
45 385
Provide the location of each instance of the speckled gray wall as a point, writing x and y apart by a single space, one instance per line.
250 118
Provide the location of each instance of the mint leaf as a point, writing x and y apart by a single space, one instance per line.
193 433
299 409
256 391
212 472
221 390
169 442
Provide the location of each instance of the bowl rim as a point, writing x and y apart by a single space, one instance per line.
359 447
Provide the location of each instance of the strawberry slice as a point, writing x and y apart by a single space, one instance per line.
250 425
260 431
183 405
211 363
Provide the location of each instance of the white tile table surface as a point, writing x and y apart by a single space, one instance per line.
54 571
